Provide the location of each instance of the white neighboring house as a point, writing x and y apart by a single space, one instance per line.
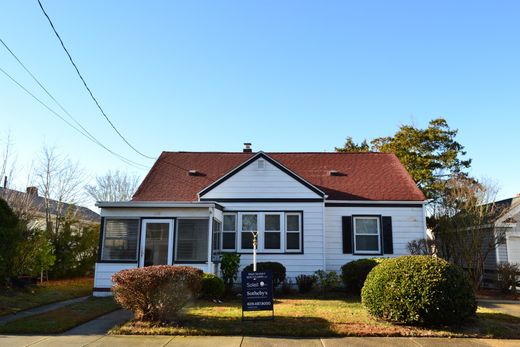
508 223
311 211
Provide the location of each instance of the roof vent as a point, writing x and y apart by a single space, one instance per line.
261 163
194 173
335 173
32 191
247 147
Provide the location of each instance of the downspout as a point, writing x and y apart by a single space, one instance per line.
210 240
324 239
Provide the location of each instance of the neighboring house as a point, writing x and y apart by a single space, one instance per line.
311 211
34 206
508 223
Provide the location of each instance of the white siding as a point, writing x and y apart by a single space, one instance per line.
312 259
408 223
104 272
254 182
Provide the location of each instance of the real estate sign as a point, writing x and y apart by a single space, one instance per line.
257 291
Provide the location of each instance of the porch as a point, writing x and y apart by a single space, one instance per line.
136 234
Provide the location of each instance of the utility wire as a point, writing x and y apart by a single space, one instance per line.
87 87
127 161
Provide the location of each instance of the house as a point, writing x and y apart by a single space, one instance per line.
311 211
506 224
34 206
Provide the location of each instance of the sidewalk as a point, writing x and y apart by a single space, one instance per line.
505 306
239 341
39 309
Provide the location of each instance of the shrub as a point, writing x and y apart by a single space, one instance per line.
326 280
305 283
287 287
229 264
277 269
156 293
419 290
212 287
507 278
354 273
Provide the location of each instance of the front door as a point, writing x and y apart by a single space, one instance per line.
156 242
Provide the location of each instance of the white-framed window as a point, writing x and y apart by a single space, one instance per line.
217 234
367 234
277 231
293 233
273 230
248 226
229 232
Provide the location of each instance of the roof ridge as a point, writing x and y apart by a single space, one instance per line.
268 152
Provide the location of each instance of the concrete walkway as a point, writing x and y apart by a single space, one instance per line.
505 306
239 341
39 309
100 325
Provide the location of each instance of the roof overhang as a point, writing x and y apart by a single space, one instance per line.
262 155
157 204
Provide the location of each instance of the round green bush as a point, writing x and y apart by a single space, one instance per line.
277 269
354 273
418 290
212 286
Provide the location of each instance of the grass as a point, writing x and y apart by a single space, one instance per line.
62 319
312 317
46 293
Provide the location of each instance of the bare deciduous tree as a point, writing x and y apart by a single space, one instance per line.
113 186
464 225
60 181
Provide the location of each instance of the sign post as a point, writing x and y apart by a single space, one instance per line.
257 292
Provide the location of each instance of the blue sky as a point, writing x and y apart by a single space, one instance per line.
284 75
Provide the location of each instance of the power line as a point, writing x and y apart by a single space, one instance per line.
127 161
87 87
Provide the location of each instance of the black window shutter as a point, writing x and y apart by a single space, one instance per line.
388 243
347 234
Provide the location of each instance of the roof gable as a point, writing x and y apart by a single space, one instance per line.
259 182
360 176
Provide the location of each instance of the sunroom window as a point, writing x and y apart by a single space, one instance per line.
367 235
191 244
120 240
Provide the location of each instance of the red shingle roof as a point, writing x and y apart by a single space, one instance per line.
363 176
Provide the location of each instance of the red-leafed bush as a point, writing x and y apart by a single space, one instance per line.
156 293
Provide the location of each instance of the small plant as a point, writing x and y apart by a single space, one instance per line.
277 269
212 287
507 278
354 273
327 280
229 264
156 293
419 289
305 283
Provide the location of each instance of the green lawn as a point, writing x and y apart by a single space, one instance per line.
311 317
49 292
61 319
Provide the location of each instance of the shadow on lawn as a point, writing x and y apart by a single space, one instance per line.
195 325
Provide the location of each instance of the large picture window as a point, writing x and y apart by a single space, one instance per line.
367 235
272 231
120 240
191 242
